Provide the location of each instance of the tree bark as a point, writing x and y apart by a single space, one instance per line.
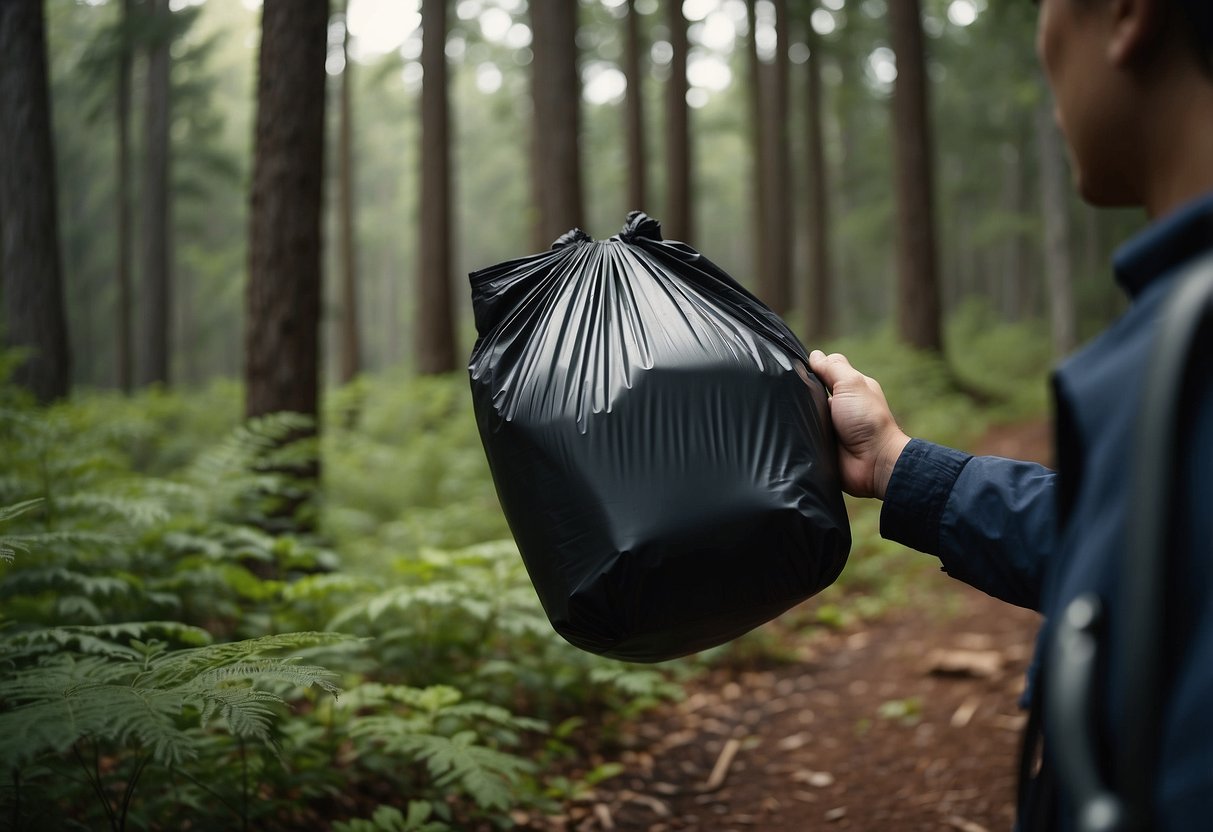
124 354
157 299
678 220
283 301
351 353
634 113
30 265
918 305
778 294
435 325
758 174
556 90
1056 216
818 313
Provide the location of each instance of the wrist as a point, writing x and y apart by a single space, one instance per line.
886 461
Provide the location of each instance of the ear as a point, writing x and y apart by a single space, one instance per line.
1135 26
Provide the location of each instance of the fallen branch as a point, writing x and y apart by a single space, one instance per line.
720 771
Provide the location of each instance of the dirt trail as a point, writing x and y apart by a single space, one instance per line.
910 722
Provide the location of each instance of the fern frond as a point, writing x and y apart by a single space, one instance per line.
110 640
139 696
10 548
495 715
391 819
484 774
133 511
637 682
67 708
66 538
324 586
77 607
17 509
182 665
62 580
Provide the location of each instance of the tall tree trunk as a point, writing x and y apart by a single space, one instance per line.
556 160
125 356
351 354
758 174
29 226
283 315
918 306
157 300
678 220
1056 216
850 306
435 325
778 294
818 313
634 113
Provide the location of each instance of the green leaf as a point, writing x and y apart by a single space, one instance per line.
17 509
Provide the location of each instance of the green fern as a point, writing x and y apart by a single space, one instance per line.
637 683
391 819
144 695
441 730
457 763
131 511
103 639
10 546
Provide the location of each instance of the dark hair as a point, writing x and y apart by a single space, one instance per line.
1198 18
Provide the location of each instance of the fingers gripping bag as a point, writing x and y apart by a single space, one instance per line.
662 453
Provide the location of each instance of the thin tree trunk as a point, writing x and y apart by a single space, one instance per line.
283 319
779 213
850 305
124 355
758 174
818 313
678 221
1056 217
30 265
918 306
634 113
435 324
556 160
157 300
351 353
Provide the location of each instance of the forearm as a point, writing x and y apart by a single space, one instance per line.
991 521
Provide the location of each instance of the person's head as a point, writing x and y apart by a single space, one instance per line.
1125 75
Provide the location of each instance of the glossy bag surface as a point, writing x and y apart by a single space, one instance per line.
662 453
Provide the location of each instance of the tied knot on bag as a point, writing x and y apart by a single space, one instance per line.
572 237
640 226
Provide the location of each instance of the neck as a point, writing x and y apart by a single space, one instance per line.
1181 161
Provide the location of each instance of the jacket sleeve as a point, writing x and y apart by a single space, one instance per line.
991 521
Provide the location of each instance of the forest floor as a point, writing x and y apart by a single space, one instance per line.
906 722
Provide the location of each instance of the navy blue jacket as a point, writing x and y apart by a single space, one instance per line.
1038 538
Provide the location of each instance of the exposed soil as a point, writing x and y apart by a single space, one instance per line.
907 722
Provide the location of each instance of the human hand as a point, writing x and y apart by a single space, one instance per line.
869 440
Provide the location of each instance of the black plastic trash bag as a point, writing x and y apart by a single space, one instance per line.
663 455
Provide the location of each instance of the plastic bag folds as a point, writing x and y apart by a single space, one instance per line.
662 453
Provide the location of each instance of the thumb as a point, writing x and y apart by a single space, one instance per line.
831 369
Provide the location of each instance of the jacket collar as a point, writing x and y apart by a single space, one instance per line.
1165 244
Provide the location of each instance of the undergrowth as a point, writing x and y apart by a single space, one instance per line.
165 663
